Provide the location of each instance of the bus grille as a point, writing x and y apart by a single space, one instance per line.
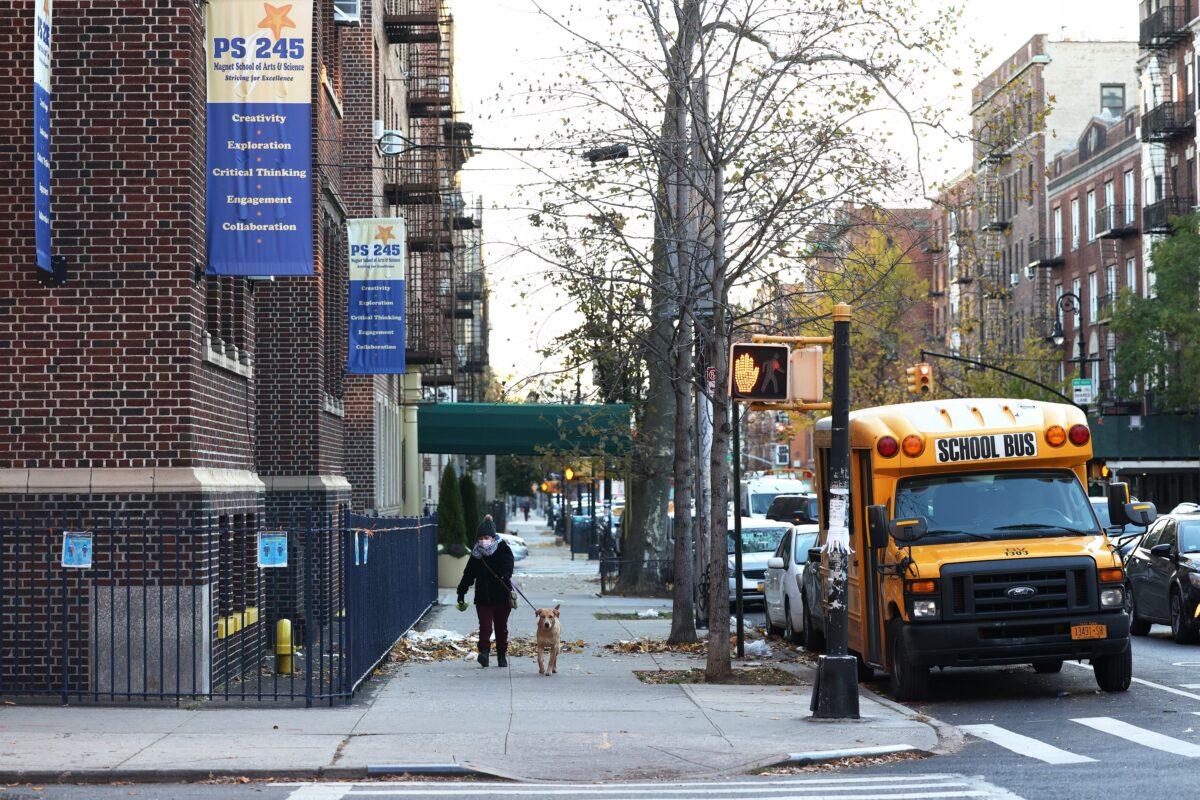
981 589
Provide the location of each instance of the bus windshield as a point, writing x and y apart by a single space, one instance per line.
997 505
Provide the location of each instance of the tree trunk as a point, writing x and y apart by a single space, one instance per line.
683 620
719 666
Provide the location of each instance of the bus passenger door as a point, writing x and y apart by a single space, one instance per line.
859 570
872 581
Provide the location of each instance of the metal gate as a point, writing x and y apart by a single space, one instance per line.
170 611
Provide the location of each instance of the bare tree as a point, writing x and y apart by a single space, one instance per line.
750 123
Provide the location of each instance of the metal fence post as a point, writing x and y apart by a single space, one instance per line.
308 610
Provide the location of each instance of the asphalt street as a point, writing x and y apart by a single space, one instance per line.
1058 736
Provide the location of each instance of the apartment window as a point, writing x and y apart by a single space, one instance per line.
1191 75
1130 198
1032 193
1058 230
1091 215
1110 280
1075 223
1092 298
1131 274
1148 281
1112 99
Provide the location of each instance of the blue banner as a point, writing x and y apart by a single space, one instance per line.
259 172
376 314
42 42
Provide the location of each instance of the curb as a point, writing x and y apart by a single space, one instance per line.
825 756
148 776
950 739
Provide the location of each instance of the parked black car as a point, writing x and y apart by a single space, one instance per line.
798 509
1164 577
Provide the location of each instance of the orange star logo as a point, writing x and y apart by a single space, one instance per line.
276 19
384 233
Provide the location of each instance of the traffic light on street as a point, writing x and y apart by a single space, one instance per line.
920 379
758 372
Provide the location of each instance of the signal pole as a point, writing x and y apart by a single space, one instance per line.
835 695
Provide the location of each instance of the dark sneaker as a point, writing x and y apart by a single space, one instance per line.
501 660
483 658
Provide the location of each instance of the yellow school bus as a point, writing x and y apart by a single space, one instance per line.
974 543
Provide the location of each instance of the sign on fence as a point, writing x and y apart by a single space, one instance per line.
77 549
272 549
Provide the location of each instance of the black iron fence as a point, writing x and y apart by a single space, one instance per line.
160 610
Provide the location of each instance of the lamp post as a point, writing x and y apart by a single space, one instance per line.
1068 302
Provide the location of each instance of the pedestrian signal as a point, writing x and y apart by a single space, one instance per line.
758 372
920 379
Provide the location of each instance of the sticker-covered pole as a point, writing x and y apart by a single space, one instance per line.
836 693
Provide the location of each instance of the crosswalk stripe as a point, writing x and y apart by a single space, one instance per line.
321 791
934 786
1024 745
1151 684
1145 738
729 789
812 794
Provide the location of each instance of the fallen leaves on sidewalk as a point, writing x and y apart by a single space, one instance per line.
443 645
648 644
754 676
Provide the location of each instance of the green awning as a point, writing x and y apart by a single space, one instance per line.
523 429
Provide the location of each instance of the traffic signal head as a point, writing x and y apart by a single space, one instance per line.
758 372
569 474
920 379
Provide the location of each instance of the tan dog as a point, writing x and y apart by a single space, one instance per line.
549 630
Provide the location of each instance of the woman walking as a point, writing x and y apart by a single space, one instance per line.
490 571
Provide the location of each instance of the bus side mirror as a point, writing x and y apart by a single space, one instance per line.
907 531
877 525
1141 513
1123 512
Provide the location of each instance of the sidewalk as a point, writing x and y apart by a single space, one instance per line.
594 720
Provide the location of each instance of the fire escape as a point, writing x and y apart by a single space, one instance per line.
471 295
422 185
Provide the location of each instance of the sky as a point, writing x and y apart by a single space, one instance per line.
500 45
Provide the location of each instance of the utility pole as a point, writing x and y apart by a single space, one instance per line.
835 695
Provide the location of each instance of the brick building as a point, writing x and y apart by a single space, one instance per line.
1101 255
1028 108
141 384
1166 67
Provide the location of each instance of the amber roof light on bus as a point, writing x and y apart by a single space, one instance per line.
887 447
913 445
1079 435
1056 436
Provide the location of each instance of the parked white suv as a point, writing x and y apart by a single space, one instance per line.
784 582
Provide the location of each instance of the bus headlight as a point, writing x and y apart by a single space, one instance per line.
1112 598
925 609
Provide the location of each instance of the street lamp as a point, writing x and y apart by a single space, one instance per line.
1068 302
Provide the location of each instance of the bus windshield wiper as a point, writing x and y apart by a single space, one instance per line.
1034 526
951 532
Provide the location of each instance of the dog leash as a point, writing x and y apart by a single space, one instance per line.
511 584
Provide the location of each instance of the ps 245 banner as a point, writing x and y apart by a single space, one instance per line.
376 316
259 171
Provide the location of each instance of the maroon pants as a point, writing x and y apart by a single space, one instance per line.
493 617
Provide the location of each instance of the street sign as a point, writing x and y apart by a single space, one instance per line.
1082 391
758 372
77 549
783 455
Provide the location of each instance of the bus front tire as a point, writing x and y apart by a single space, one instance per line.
909 681
1114 673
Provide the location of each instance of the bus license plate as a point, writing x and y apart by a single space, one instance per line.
1089 631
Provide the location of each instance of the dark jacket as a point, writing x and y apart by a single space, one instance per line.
488 590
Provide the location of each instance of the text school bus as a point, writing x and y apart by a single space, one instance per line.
974 542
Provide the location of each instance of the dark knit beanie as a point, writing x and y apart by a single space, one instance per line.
486 528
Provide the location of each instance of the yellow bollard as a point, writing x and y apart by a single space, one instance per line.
283 647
